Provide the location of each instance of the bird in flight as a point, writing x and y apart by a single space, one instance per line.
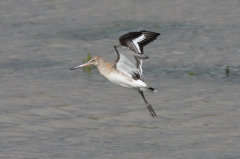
126 70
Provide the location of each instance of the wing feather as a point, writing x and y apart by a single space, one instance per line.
137 40
130 52
129 62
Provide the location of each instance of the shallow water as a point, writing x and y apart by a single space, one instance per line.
49 111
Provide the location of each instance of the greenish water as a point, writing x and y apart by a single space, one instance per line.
194 70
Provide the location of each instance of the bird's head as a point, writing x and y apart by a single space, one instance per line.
93 61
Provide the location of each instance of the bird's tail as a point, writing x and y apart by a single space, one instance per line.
149 89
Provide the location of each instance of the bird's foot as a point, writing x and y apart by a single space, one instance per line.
151 110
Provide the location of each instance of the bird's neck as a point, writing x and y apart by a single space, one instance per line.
105 67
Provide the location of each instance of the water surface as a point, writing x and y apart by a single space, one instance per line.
49 111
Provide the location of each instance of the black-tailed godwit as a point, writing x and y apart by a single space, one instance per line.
126 70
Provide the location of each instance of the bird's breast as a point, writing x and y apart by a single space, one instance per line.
120 78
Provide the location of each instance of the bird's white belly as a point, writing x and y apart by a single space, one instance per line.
125 81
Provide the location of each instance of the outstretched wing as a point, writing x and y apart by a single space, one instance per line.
137 40
129 62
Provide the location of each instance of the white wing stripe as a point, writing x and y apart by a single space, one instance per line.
140 67
135 41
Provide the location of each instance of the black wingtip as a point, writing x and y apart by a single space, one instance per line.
131 40
150 32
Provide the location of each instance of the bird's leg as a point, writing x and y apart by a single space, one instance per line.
149 106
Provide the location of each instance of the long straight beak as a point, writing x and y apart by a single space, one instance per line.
86 64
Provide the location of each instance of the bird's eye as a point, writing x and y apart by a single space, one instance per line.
93 60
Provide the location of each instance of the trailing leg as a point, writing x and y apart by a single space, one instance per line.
149 106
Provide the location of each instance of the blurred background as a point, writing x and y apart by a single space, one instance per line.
48 111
